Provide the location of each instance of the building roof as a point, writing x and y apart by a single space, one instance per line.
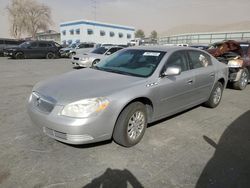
95 23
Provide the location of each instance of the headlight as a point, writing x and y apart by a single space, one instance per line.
85 108
235 63
85 59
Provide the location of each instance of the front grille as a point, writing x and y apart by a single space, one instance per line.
42 103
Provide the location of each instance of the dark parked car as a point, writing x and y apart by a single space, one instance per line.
236 54
7 43
34 49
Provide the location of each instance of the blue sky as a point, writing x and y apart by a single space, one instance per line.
159 15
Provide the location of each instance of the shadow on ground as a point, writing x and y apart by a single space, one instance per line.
230 165
115 178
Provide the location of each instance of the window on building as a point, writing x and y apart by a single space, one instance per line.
78 31
72 31
111 34
90 31
120 35
102 33
64 32
129 36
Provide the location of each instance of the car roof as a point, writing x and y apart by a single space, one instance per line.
162 48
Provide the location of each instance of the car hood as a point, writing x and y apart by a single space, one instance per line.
85 83
12 48
65 49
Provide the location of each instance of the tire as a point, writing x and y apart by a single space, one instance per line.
243 81
215 96
72 54
95 62
19 55
50 55
131 125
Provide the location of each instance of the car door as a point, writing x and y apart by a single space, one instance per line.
176 92
42 50
204 71
32 50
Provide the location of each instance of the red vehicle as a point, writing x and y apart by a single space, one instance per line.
236 54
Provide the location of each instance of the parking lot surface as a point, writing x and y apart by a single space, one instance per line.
201 147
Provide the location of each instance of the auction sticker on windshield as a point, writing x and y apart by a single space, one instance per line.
156 54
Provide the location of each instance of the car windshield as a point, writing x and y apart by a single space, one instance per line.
100 50
140 63
25 45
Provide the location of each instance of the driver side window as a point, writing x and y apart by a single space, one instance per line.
178 59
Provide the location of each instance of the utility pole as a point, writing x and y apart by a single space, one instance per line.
94 7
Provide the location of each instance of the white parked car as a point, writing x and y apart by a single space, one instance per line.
81 48
92 58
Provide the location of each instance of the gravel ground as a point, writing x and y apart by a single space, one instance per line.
198 148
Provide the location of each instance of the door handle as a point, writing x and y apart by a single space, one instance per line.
190 81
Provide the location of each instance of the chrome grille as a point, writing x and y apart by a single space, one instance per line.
42 103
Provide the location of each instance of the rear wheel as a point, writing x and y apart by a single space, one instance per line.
19 55
243 81
131 125
215 96
50 55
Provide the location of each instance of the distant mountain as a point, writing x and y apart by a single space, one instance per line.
194 28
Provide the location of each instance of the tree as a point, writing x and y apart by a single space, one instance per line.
139 34
153 35
28 16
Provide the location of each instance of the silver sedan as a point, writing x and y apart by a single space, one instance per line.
124 92
92 58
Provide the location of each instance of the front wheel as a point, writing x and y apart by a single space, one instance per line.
243 81
215 96
95 62
50 55
19 55
131 125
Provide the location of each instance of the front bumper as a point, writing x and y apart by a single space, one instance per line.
64 54
73 130
80 63
8 54
234 74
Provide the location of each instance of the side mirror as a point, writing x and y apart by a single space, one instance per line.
172 71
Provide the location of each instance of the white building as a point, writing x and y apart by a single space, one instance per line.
98 32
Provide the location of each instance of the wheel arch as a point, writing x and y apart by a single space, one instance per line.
19 51
144 100
222 81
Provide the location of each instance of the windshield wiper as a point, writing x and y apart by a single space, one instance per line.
118 72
